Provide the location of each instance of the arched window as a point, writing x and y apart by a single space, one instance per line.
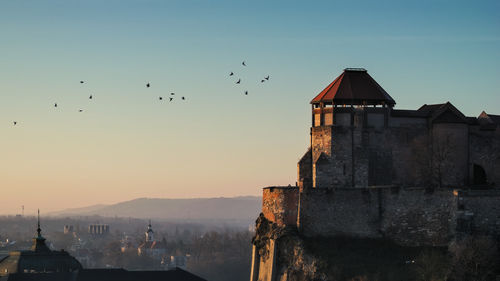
479 175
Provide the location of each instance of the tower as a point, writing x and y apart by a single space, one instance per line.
338 147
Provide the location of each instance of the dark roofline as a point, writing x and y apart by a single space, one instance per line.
355 69
409 113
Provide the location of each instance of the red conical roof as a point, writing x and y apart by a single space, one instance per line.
354 86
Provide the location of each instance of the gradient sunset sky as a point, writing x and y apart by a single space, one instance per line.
219 142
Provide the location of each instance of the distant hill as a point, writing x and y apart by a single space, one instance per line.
243 209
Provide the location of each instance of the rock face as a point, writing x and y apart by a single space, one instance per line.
282 254
279 254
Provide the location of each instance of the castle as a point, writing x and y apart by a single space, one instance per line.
416 177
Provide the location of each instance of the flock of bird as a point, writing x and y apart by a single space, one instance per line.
171 96
239 79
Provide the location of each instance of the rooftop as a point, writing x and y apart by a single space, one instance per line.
354 86
38 259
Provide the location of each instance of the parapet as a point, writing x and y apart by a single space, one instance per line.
280 204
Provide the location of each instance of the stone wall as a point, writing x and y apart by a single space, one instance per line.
482 208
402 151
340 161
406 216
409 154
365 154
485 151
328 212
280 205
417 217
321 144
304 170
450 153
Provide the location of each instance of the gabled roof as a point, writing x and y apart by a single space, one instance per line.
307 156
354 86
443 113
430 108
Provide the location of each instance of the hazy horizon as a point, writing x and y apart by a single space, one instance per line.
57 211
127 144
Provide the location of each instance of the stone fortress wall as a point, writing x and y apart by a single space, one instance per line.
408 216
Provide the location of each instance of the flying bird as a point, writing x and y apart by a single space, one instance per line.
147 85
15 122
81 82
243 63
238 82
183 98
171 99
161 98
81 110
262 81
172 94
231 74
246 93
267 78
55 104
90 97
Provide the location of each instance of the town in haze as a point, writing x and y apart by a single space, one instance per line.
262 141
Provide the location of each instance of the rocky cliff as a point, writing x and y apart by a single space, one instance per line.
281 253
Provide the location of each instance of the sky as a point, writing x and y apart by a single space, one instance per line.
126 143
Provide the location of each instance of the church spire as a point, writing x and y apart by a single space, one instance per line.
39 241
39 230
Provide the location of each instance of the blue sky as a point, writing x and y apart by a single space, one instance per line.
219 142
